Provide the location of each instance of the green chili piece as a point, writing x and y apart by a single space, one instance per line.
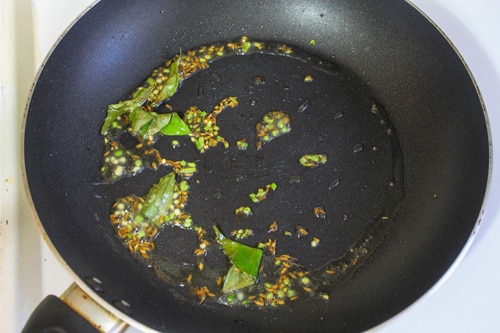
262 193
246 47
313 160
236 279
190 168
245 259
184 186
243 211
274 124
141 234
253 197
242 144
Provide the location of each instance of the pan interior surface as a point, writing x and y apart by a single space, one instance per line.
398 99
357 190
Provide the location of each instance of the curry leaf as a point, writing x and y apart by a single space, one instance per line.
158 201
145 124
140 121
127 106
161 120
171 84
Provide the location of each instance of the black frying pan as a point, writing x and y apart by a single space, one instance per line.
391 105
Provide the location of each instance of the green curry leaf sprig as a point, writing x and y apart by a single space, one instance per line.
143 122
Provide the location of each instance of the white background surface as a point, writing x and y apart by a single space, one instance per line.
466 302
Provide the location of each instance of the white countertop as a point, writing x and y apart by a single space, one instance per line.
466 302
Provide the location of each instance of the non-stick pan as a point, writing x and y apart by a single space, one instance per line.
373 86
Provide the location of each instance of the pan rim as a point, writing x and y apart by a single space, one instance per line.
27 193
487 200
436 286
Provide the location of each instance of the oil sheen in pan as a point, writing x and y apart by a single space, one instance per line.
359 189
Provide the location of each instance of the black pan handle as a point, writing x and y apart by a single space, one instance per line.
74 312
52 315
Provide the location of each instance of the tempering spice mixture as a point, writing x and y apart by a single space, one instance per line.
257 276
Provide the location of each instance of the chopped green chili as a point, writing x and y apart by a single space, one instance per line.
203 125
242 233
313 160
243 211
272 125
246 47
315 242
242 144
262 193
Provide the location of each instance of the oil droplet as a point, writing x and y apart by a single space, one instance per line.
338 115
334 184
259 80
302 107
357 148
